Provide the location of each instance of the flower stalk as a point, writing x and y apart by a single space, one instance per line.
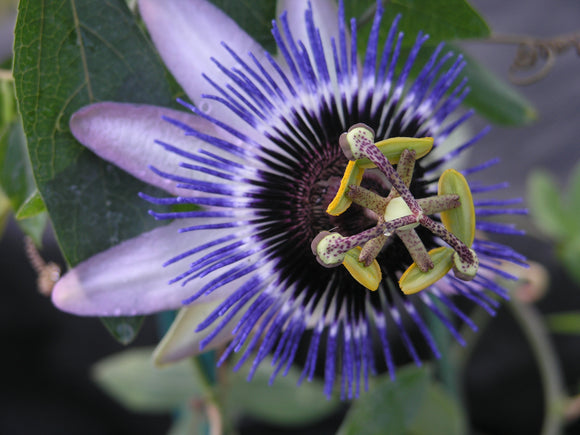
204 366
545 355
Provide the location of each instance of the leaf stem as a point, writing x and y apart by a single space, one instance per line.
207 381
531 49
554 396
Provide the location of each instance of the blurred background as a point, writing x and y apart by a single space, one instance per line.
45 384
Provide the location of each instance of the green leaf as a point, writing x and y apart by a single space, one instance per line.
569 254
410 405
5 210
439 413
34 227
390 407
564 323
16 178
32 206
15 173
67 56
123 329
545 201
131 379
574 195
282 403
443 20
254 16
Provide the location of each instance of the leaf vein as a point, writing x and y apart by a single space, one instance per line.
77 25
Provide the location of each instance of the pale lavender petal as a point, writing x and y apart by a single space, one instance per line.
125 134
181 341
130 279
188 33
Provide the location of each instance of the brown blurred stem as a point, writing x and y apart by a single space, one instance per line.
531 49
48 273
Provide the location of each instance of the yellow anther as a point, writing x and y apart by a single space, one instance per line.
370 276
341 202
413 280
459 221
392 149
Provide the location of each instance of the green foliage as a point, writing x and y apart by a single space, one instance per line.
32 206
34 227
15 177
556 215
546 205
131 379
438 413
569 254
69 54
4 211
282 403
443 20
16 180
573 195
389 407
410 405
254 16
123 329
564 323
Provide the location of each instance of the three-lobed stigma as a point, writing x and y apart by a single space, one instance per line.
399 213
